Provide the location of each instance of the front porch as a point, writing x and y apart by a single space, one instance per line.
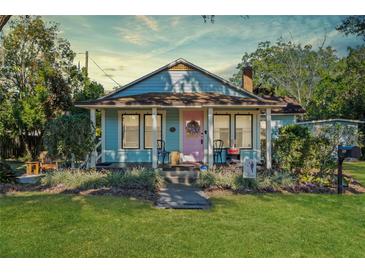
129 135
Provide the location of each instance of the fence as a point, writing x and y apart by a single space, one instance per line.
11 148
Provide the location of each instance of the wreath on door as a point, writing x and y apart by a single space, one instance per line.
192 128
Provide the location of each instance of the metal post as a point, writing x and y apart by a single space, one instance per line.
339 172
86 63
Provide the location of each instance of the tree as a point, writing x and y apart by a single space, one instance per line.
341 95
91 91
35 77
38 80
353 25
69 137
288 68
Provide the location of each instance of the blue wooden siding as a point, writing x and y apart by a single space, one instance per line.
278 121
114 154
179 81
112 151
172 138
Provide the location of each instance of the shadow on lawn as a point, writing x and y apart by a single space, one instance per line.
74 204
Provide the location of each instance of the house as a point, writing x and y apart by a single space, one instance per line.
282 116
188 108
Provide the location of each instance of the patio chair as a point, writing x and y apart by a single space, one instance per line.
161 151
218 150
46 163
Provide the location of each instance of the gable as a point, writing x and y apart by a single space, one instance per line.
179 78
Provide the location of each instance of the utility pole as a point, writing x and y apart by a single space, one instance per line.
86 63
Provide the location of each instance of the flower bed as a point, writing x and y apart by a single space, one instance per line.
231 179
138 182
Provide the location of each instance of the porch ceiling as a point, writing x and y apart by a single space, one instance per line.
165 99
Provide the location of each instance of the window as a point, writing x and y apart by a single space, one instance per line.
243 131
222 128
130 131
148 129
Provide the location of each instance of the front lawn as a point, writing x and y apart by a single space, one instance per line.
356 169
276 225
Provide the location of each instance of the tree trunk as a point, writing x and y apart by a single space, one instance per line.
3 20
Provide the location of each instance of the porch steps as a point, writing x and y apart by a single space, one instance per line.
180 177
185 175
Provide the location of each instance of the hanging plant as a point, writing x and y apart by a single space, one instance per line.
192 128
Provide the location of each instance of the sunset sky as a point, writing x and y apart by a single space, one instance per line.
128 47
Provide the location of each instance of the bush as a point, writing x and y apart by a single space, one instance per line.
69 137
292 147
7 175
313 156
276 181
138 178
224 178
233 180
75 179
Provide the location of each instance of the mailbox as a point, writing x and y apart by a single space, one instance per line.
343 153
349 152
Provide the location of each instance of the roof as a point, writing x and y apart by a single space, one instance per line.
191 65
338 120
291 107
168 99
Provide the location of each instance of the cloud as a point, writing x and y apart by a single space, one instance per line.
149 21
134 38
175 21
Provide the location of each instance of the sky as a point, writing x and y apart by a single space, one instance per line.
128 47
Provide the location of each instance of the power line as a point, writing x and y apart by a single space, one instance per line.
106 74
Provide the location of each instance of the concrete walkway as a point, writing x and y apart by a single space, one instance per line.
181 196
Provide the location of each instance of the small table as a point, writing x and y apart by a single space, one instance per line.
233 154
32 168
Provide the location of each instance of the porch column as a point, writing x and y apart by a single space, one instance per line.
93 153
154 137
268 138
210 137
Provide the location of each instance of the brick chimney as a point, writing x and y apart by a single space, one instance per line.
247 82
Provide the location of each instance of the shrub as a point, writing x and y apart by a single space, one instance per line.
138 178
292 147
299 152
231 179
225 179
7 175
276 181
76 179
69 137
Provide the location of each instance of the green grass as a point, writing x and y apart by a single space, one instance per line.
277 225
356 169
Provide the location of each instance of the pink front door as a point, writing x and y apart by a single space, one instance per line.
193 135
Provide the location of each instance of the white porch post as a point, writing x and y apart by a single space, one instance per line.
268 138
210 137
154 137
93 153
